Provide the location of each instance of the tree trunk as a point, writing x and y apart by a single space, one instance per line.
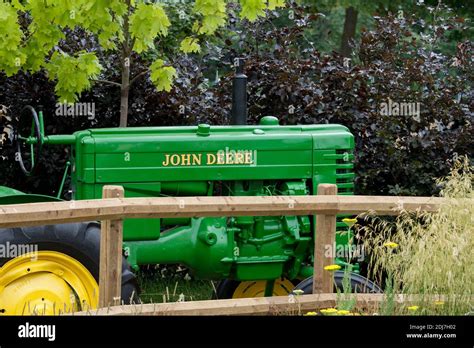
348 34
126 56
124 91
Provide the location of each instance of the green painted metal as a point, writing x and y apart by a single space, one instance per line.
269 285
7 191
12 196
61 187
41 123
267 159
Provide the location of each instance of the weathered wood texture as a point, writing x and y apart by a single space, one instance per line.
325 236
111 239
35 214
277 305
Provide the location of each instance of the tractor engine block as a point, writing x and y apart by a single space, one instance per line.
243 247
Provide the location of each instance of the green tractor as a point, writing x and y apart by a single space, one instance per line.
250 256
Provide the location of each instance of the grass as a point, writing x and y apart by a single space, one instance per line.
156 289
430 254
344 300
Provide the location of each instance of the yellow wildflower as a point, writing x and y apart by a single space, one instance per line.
311 313
439 303
332 268
413 308
343 312
391 245
328 311
349 222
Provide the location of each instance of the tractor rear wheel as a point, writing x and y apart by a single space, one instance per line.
54 269
359 284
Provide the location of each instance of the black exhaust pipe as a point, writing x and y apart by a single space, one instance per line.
239 95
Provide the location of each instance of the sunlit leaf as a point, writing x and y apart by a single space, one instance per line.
162 76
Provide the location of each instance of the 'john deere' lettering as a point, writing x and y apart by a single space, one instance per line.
221 157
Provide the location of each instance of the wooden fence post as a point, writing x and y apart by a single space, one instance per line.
325 236
110 271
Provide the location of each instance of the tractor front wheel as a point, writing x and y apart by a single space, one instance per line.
54 269
228 288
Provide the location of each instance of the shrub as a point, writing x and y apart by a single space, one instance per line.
397 60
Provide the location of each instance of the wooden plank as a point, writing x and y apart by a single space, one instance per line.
280 305
110 272
277 305
325 236
35 214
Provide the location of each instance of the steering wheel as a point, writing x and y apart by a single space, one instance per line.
28 160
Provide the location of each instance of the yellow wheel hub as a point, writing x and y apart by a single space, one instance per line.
250 289
46 283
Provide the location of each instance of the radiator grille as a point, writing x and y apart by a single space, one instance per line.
345 172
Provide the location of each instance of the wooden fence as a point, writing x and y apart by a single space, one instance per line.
113 208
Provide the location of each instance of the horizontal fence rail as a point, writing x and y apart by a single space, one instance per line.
35 214
276 305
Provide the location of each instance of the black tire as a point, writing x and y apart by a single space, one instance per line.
78 240
359 284
225 289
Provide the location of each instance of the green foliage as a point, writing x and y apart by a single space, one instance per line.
345 299
274 4
213 14
85 66
43 36
189 45
39 46
11 58
127 26
387 306
252 9
162 75
146 23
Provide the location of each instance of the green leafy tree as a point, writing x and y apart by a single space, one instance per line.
32 31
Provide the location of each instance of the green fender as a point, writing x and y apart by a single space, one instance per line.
12 196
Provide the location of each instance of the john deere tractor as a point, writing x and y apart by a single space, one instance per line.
250 256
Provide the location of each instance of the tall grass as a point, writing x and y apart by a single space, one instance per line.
430 254
158 290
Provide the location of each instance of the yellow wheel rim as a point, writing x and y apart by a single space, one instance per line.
46 283
256 288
